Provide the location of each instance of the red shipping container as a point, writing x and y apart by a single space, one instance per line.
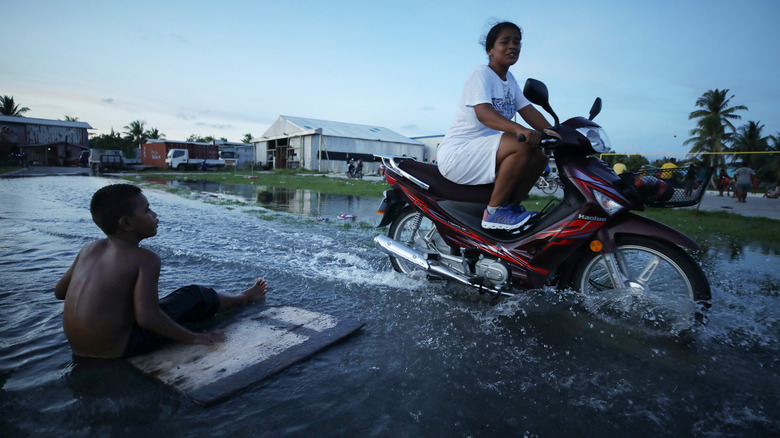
153 153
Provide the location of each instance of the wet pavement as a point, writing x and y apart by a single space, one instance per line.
756 205
46 171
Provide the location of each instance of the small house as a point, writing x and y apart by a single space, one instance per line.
45 142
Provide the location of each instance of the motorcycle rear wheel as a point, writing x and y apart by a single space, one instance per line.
667 290
423 238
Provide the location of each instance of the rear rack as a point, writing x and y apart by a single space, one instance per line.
389 161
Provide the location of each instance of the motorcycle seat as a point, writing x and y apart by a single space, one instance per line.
443 188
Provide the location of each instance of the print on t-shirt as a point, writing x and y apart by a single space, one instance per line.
505 106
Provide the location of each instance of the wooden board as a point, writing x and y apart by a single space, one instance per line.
257 347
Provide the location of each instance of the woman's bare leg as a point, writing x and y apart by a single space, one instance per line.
516 170
535 168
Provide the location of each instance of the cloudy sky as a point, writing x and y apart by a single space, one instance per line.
227 68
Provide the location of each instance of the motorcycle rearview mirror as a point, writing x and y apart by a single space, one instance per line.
595 109
536 92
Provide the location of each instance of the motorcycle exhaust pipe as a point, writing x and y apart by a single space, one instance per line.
398 250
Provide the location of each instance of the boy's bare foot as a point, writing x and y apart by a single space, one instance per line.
256 292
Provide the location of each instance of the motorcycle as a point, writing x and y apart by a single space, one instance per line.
353 172
589 241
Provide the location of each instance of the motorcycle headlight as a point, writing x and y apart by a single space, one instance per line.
608 204
597 138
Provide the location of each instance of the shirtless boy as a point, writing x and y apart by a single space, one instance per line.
110 291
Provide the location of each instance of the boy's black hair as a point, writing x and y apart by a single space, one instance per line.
112 202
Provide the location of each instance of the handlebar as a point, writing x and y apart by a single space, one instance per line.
545 140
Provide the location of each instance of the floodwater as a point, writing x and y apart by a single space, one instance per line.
431 360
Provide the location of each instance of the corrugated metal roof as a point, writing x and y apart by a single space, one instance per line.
303 125
46 122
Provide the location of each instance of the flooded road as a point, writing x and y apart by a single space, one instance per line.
431 361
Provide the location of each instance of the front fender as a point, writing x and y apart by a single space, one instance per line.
631 223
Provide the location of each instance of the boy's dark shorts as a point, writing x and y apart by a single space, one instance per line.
187 304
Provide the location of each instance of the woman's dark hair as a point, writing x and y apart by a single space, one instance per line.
112 202
491 37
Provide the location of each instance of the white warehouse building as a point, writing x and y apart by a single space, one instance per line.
431 144
321 145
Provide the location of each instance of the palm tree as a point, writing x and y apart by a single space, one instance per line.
247 138
709 136
713 118
9 108
748 139
154 133
71 119
135 132
770 168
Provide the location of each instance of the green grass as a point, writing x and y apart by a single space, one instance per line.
720 227
294 179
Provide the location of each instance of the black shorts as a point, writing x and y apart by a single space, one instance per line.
187 304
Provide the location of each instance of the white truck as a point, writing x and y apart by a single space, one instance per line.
194 157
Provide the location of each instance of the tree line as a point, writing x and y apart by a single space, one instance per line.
128 141
135 134
714 141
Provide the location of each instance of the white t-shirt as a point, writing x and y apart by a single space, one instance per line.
744 175
467 155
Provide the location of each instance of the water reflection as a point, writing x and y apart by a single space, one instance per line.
300 202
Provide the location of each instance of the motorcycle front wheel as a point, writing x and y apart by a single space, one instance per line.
666 289
416 231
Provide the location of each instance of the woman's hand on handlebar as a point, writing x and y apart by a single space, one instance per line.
530 137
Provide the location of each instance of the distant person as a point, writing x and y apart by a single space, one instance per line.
619 167
668 169
110 291
773 193
744 176
689 183
722 182
482 146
